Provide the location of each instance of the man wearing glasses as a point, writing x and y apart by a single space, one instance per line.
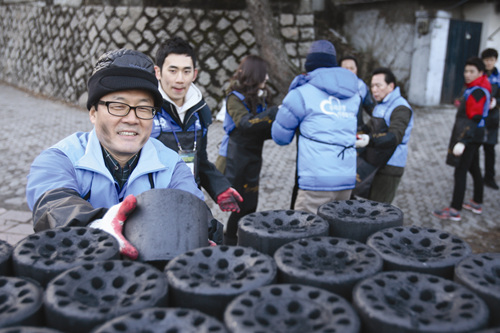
91 179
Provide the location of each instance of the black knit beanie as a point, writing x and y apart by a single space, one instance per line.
122 69
321 54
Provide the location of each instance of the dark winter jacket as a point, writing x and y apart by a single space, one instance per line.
246 131
188 135
469 124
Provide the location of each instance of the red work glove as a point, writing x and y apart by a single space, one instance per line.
228 200
112 223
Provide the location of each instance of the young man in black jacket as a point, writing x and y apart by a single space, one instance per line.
182 123
466 138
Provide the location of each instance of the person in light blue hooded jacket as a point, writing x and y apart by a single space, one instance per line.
91 179
321 107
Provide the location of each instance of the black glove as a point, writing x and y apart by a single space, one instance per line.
215 231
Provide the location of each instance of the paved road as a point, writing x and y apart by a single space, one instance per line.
30 124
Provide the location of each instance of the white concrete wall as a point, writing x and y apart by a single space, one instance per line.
485 13
439 41
428 61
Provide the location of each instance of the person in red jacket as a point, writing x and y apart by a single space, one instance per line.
466 138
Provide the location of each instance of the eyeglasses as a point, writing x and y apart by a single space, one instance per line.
121 110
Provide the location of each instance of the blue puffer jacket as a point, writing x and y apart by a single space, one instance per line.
76 163
323 105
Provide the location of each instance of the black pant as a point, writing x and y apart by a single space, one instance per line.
469 161
243 165
489 161
248 206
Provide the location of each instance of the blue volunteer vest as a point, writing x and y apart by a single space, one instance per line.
362 89
486 107
384 110
494 77
164 123
229 124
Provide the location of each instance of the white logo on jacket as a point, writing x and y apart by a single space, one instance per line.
333 106
162 123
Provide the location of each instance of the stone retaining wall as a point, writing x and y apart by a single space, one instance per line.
50 50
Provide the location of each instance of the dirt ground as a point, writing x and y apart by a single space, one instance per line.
485 241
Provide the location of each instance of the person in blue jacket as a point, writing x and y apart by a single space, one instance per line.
91 179
322 106
184 117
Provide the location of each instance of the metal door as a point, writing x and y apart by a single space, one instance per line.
463 42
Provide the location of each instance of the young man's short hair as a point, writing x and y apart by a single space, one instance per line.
489 53
349 57
175 45
388 75
476 62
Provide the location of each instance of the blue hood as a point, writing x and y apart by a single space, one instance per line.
335 81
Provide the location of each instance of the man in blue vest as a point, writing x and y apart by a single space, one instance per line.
91 179
388 130
322 106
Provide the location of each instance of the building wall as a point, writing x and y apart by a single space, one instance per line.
428 61
50 50
383 34
386 34
485 13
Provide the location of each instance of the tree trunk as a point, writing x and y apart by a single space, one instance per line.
271 46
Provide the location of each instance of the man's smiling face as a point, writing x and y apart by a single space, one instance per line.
176 76
122 137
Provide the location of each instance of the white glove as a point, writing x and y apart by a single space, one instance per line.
458 149
493 103
362 140
112 223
